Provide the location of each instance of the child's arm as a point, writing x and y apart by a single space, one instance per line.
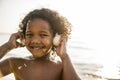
4 49
69 72
11 44
5 67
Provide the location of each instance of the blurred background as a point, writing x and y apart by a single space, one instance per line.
94 46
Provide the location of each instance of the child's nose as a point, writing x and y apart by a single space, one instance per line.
36 39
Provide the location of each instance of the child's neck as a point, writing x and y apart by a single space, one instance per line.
43 58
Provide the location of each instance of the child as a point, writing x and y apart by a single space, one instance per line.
37 32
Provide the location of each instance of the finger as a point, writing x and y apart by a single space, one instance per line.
18 44
64 38
21 36
16 35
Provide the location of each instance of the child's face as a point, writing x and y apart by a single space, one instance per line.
38 38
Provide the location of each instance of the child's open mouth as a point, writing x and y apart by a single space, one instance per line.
37 47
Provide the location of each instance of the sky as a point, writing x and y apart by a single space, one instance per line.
96 23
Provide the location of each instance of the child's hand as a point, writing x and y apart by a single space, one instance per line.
61 49
13 43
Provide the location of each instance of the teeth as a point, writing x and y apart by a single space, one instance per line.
36 48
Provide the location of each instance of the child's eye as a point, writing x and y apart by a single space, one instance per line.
29 35
43 35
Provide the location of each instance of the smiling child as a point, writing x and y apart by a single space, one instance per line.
37 32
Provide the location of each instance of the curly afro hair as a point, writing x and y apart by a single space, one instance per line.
58 23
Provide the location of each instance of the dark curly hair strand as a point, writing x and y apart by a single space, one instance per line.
58 23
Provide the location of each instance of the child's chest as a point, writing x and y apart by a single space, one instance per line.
38 71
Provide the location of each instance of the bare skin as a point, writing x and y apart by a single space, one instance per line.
24 69
40 66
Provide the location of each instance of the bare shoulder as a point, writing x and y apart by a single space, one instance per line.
28 65
29 59
14 59
11 59
7 65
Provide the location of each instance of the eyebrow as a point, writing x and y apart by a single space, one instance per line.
43 31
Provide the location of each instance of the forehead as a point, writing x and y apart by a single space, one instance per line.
38 24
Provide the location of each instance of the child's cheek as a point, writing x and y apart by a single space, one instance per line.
47 41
